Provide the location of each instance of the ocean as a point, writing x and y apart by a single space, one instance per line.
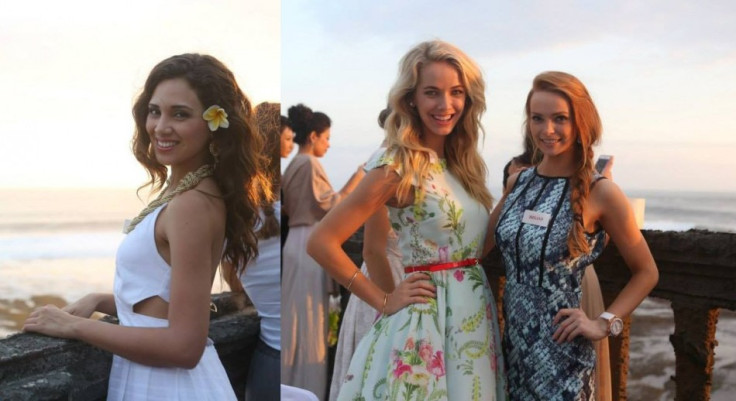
57 245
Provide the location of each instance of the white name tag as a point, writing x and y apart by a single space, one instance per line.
536 218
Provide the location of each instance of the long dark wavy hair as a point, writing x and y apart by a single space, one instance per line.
239 171
268 119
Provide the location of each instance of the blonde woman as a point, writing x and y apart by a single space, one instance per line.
438 335
551 223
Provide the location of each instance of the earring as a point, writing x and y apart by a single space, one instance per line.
215 154
411 104
578 141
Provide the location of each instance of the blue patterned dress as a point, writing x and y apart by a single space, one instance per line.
541 279
449 348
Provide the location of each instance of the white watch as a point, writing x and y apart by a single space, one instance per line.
615 324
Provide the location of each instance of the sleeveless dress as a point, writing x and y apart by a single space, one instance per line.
448 348
142 273
541 279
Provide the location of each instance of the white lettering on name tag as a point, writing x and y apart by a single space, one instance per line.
536 218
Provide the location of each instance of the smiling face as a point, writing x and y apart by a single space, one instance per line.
287 141
439 100
550 124
178 132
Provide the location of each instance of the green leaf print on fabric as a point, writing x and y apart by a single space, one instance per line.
471 323
380 385
438 395
476 349
476 388
477 277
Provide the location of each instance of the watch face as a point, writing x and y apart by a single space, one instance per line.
617 326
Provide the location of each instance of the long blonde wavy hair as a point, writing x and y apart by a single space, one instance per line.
404 126
587 129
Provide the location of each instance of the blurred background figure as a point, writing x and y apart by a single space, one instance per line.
305 287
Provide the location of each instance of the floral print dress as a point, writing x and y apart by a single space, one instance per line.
449 348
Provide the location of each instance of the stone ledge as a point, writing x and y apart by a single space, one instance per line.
36 367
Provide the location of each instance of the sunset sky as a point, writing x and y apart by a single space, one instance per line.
69 72
662 74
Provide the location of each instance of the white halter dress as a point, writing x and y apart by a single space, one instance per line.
142 273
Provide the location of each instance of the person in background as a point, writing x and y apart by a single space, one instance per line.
194 135
287 145
552 222
305 288
260 279
286 137
437 337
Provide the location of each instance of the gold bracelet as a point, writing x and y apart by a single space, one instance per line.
350 283
385 299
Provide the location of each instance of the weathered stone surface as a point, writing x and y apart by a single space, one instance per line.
694 343
696 267
36 367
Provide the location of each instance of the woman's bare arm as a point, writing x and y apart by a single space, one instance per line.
375 240
194 228
325 244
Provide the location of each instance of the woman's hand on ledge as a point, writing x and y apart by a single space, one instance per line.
51 321
84 307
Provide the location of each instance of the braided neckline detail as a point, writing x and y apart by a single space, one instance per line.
189 181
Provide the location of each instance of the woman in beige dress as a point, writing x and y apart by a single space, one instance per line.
307 197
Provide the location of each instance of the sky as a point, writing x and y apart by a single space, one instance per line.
662 75
70 71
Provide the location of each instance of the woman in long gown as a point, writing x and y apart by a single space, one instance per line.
307 196
552 222
438 335
194 132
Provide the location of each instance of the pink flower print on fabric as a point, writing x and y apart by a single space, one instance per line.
425 351
437 365
459 274
401 369
444 254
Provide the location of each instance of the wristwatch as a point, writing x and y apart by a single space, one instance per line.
615 324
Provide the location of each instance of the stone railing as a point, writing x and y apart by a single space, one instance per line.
36 367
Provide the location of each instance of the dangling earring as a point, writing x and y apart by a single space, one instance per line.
215 154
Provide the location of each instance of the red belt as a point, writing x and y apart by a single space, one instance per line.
441 266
